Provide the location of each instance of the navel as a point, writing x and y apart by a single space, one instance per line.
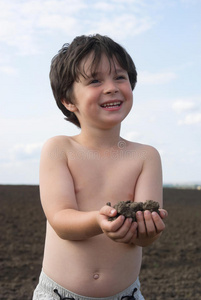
96 276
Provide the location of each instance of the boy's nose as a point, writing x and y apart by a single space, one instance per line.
110 88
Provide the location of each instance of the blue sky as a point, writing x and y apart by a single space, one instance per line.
164 40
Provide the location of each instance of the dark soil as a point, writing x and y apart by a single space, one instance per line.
170 269
129 208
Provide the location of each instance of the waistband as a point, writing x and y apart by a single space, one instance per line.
58 292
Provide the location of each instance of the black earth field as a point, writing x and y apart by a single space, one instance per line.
171 268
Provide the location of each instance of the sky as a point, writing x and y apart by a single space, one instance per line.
162 37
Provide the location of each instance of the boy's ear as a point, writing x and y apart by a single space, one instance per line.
71 107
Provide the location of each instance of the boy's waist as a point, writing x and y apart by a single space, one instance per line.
51 287
95 273
98 283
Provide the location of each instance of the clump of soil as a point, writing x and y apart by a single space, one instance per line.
129 208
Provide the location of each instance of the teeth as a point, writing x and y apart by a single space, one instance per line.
112 104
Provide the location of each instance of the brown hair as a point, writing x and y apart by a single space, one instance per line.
65 65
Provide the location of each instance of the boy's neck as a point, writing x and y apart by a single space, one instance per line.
100 139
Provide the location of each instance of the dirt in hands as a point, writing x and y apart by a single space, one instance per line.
129 208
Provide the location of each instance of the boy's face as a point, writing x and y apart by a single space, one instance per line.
104 99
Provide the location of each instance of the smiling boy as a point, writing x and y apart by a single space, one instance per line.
87 256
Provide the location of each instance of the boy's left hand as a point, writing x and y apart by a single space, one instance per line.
150 226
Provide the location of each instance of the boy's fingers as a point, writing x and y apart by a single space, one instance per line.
160 226
141 224
163 213
130 235
125 233
122 231
108 211
150 226
113 226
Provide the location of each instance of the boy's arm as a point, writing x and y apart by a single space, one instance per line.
58 195
148 187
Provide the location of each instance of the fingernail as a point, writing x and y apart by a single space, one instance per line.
162 213
112 211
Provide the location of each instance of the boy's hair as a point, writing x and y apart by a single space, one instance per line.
65 66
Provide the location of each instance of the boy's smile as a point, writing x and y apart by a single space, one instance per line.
112 105
104 98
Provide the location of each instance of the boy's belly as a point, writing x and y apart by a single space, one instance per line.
87 268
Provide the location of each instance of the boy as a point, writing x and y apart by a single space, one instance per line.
87 256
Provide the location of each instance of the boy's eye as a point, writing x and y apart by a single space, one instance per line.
121 77
94 81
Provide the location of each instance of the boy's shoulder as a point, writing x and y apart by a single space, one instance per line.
140 146
55 147
143 150
58 140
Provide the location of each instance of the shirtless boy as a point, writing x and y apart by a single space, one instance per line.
86 255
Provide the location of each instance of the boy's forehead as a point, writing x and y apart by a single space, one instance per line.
89 65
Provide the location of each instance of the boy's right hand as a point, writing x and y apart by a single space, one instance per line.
119 230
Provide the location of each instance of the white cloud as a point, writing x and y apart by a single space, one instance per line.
21 21
104 6
55 22
24 23
124 24
190 2
132 136
145 77
183 105
20 172
191 119
8 70
25 151
190 109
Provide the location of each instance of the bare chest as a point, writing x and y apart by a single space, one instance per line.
101 179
